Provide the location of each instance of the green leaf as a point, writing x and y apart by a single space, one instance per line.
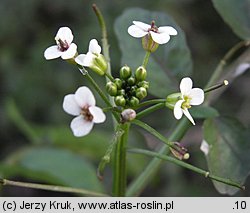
203 112
236 14
229 149
56 166
168 62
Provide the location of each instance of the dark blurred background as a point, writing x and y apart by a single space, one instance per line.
36 87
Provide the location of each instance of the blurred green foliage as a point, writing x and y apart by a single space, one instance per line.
32 91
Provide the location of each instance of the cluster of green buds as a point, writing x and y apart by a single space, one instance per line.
130 88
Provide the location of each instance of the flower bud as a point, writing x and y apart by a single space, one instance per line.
125 72
144 84
131 81
111 88
141 93
140 73
148 44
133 101
172 99
99 64
118 83
120 100
121 92
128 115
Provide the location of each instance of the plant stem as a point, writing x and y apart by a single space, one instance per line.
146 58
146 175
149 102
120 168
150 110
5 182
188 166
152 131
102 95
110 77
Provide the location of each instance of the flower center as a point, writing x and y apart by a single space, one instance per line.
86 114
62 45
153 28
186 103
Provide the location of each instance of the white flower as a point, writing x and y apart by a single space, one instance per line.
160 35
82 105
64 48
189 96
87 60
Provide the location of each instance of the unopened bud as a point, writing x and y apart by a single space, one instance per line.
121 92
128 115
140 73
131 81
120 101
141 93
118 83
149 44
111 88
179 151
144 84
133 101
125 72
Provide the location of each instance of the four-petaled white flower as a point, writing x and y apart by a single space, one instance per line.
189 96
82 105
160 35
64 48
87 60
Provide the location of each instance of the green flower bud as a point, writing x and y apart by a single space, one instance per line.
149 44
144 84
141 93
134 101
121 92
125 72
118 83
120 101
111 88
140 73
99 64
131 81
172 99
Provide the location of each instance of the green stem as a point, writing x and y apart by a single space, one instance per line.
146 175
152 131
188 166
150 110
146 58
102 95
219 69
110 77
120 168
149 102
5 182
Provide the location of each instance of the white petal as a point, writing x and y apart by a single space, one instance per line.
88 60
197 96
178 110
65 34
241 69
143 26
98 115
70 105
80 126
84 97
80 59
204 147
70 53
167 29
188 115
160 38
186 86
94 47
52 52
136 31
